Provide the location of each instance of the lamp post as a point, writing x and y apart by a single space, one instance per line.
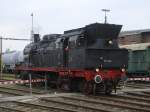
105 11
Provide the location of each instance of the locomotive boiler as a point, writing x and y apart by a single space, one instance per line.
86 59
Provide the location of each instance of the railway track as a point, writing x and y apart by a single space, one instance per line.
17 90
131 98
114 103
17 106
127 102
146 92
71 105
138 85
90 105
140 94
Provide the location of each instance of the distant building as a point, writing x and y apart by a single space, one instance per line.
134 37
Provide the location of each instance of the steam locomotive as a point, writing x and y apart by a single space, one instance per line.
86 59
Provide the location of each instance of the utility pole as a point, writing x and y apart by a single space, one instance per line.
32 31
105 11
1 65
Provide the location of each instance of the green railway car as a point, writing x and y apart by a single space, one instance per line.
139 60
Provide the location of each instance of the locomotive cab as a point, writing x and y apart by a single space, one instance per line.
95 46
102 36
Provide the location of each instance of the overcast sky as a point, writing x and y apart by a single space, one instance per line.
55 16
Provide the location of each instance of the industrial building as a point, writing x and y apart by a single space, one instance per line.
134 37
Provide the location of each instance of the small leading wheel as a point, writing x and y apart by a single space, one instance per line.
108 89
62 84
88 88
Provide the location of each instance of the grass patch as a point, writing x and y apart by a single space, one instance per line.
6 76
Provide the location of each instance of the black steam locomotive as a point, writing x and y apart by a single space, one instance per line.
85 59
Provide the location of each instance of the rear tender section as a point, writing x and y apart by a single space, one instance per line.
98 58
107 59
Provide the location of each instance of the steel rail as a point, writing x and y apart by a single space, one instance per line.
130 102
11 93
78 106
134 86
137 94
137 84
11 109
43 106
134 98
17 89
108 103
146 92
